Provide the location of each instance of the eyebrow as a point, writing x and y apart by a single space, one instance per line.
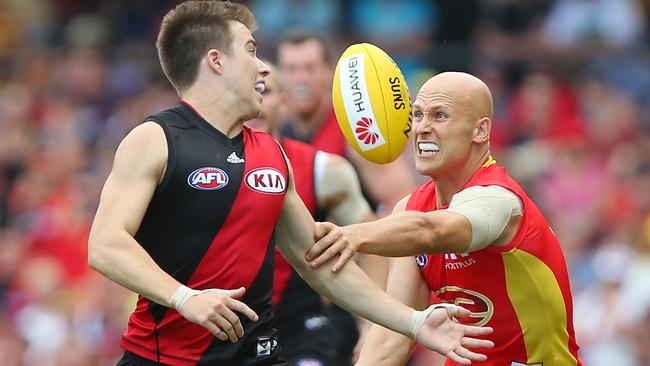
251 41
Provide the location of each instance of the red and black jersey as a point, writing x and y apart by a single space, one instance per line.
328 137
209 224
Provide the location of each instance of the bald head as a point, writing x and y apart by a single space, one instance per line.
467 90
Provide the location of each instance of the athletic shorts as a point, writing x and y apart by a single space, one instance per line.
264 352
319 339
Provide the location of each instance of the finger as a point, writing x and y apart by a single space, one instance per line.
333 250
464 352
322 228
322 244
209 325
225 326
236 293
473 331
456 358
234 320
343 259
460 312
476 343
240 307
453 310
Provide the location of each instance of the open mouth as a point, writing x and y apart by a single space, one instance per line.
427 148
260 87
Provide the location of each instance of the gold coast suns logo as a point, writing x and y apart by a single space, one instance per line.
480 306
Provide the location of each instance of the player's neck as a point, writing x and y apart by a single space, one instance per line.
215 110
449 184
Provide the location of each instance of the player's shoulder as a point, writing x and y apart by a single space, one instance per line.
144 144
148 132
400 206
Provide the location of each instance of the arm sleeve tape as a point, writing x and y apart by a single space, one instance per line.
488 209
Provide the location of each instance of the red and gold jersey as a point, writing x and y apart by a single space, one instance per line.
520 289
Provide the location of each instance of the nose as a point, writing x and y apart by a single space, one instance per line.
421 128
263 68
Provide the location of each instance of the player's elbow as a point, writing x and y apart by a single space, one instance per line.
96 251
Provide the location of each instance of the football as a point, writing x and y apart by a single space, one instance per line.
372 103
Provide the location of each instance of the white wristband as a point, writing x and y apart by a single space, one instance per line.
418 317
182 294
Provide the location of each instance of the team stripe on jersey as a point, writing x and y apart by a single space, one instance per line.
526 278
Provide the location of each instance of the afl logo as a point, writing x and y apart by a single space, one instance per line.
422 261
266 180
208 179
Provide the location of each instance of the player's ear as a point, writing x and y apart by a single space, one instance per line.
214 61
482 130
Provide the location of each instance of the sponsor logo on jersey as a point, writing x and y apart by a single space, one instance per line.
515 363
480 306
356 99
234 159
266 180
208 179
452 260
422 261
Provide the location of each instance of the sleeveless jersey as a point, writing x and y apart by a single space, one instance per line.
520 289
209 224
328 136
291 294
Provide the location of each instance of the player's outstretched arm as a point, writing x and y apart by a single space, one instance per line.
339 191
477 217
139 164
352 290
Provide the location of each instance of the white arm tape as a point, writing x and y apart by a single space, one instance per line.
181 295
419 316
184 293
488 210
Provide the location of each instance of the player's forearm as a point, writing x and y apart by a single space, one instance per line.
398 235
350 288
384 347
120 258
353 291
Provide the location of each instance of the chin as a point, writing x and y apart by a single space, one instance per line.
426 168
305 106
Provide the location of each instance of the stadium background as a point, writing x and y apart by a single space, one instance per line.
571 81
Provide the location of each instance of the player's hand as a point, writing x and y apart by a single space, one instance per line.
441 333
215 310
330 241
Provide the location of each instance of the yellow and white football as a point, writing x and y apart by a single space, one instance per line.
372 103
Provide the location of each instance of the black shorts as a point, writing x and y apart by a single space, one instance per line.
131 359
319 339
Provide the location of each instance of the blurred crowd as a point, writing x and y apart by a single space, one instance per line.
571 82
